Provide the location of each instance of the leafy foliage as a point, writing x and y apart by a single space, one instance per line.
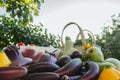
16 27
23 10
110 42
12 33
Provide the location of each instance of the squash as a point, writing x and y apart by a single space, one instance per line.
109 73
104 64
4 60
114 61
68 47
94 54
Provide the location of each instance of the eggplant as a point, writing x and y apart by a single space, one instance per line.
22 62
70 68
55 53
41 76
43 67
76 54
92 69
47 58
63 60
12 72
65 77
12 52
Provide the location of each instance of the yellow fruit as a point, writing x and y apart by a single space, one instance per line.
4 60
109 74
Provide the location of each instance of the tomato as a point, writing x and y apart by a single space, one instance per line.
21 44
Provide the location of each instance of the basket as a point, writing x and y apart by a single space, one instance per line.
81 48
80 33
93 42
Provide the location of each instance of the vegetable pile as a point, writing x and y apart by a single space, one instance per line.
70 64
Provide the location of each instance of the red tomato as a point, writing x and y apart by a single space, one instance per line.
21 44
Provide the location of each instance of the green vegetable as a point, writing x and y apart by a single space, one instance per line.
69 47
114 61
104 64
94 54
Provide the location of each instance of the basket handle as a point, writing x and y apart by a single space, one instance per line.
81 33
91 34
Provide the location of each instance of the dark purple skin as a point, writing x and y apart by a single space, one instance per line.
65 77
47 58
92 71
22 62
41 76
63 60
12 72
12 52
43 67
70 68
75 54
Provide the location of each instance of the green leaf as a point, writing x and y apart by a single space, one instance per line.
1 5
31 18
36 12
42 1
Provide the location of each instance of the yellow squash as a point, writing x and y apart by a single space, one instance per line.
109 74
4 60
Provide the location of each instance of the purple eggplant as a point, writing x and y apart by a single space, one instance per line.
76 54
41 76
47 58
65 77
22 62
12 72
12 52
92 71
43 67
70 68
63 60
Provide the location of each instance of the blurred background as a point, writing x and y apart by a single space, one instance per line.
89 14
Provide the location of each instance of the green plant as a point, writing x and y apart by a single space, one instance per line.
12 33
22 10
16 26
109 40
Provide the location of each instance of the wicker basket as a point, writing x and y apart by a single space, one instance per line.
80 34
82 48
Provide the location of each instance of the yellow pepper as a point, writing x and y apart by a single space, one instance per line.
4 60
